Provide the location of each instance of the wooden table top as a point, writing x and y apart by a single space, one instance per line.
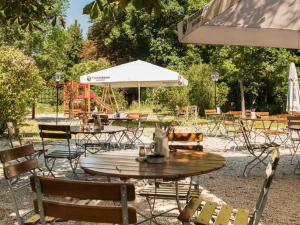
123 164
107 129
121 118
265 119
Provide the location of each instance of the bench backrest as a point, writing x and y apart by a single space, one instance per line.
210 111
293 120
122 192
262 199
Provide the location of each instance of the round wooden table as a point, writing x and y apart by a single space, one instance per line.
123 164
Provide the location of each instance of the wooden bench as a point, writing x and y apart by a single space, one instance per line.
225 214
81 211
185 141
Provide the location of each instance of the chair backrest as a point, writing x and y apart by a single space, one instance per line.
55 131
133 115
104 119
13 165
122 192
235 113
17 162
210 111
262 113
262 199
188 137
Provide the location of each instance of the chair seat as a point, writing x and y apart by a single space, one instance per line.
273 132
168 191
211 211
63 154
264 145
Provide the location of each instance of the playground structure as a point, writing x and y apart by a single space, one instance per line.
77 98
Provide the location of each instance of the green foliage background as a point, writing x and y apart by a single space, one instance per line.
19 84
124 31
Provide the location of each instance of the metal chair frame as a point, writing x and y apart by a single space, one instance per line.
46 132
260 152
226 214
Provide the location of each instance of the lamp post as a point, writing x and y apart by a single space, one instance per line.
57 79
215 77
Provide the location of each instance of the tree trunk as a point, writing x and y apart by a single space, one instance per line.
33 110
242 98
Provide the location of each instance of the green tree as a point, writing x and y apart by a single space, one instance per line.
252 68
88 66
139 35
19 84
74 44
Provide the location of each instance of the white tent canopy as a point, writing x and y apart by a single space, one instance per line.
293 98
267 23
135 74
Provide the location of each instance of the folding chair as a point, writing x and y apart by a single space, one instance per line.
233 130
214 119
259 152
212 213
83 211
294 127
18 162
136 129
60 132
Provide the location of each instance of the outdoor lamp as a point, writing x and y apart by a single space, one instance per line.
57 79
57 76
215 77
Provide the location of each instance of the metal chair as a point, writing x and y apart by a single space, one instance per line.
18 162
60 132
135 130
233 130
211 212
89 211
259 152
294 121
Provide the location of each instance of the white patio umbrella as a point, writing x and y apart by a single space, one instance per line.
135 74
293 98
267 23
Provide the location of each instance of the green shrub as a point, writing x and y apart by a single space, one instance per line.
19 84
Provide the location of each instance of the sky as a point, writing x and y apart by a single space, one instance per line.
75 12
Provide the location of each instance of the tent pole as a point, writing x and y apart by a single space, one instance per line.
139 94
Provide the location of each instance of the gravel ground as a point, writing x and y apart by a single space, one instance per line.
226 184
